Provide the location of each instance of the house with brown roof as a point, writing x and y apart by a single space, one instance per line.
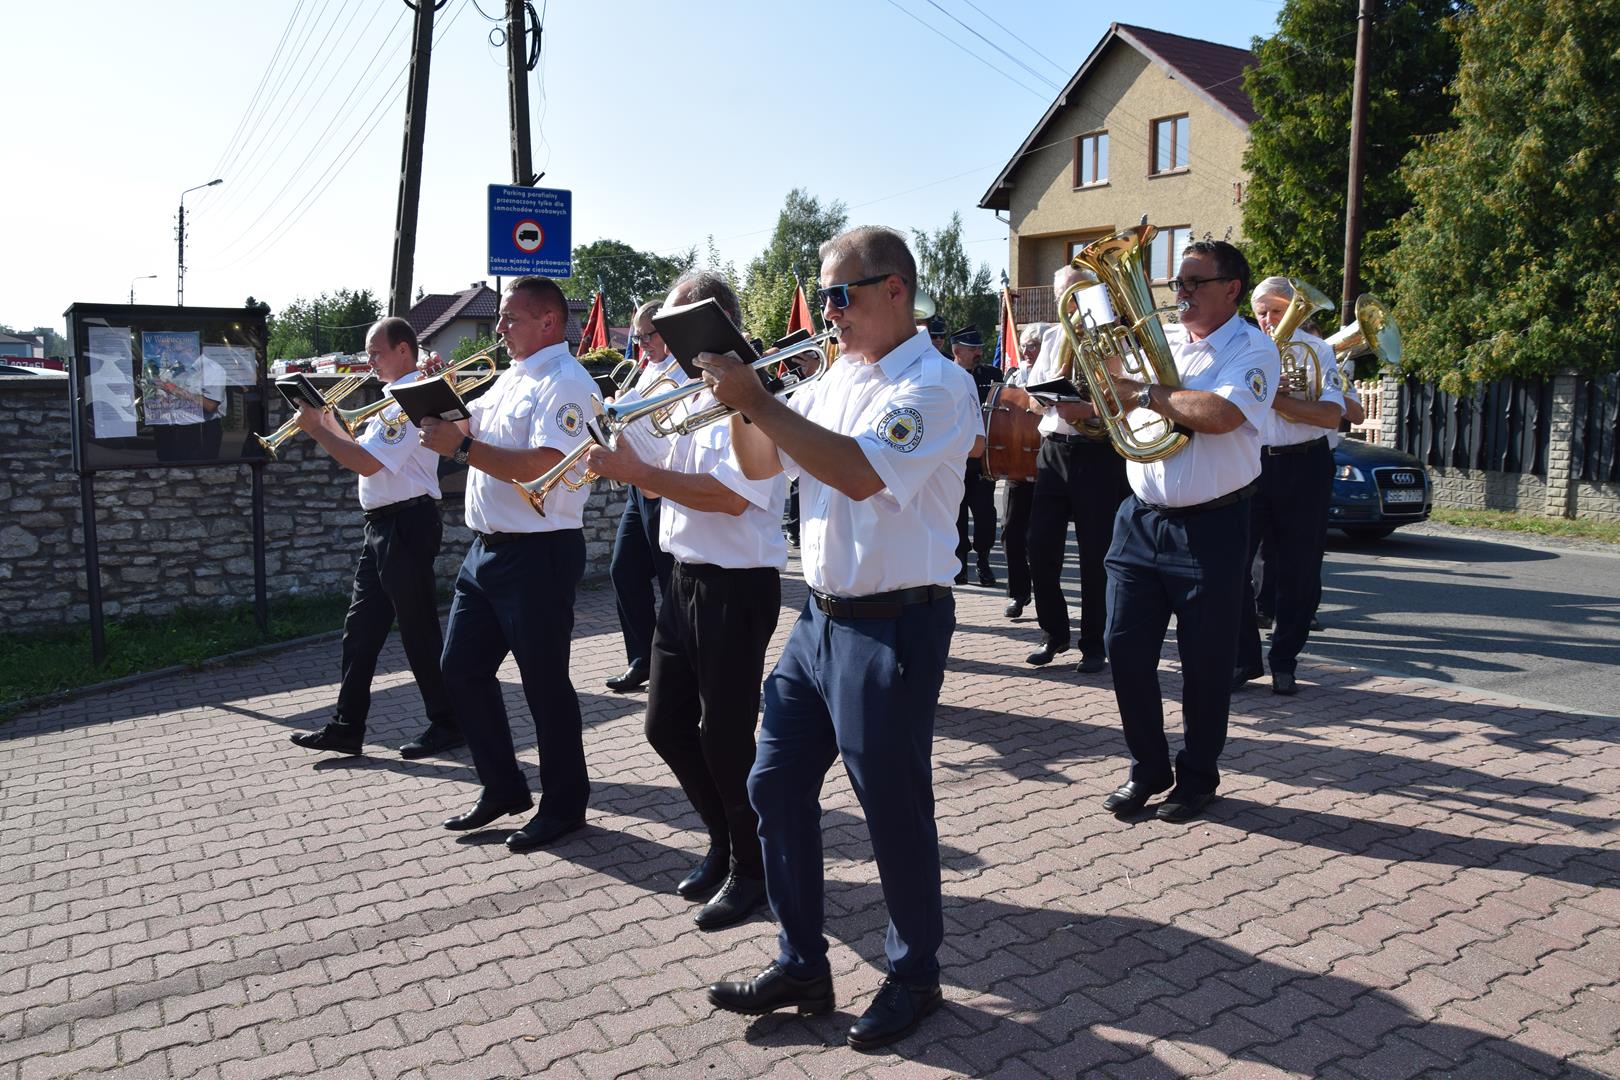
444 320
1151 124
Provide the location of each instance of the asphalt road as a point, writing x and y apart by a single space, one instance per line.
1533 619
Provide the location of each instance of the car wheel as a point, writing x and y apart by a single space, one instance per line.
1368 532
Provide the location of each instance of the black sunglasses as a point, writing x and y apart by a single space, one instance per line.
838 295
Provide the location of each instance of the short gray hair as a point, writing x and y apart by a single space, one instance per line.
1274 285
707 285
879 250
644 312
1032 333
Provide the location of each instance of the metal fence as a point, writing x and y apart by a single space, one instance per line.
1504 426
1597 428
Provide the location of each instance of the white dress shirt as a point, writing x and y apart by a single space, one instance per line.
1281 431
409 469
1045 369
1239 363
539 401
751 539
915 420
639 436
1350 394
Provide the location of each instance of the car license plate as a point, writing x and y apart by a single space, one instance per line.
1414 495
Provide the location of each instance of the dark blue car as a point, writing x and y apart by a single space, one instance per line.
1376 490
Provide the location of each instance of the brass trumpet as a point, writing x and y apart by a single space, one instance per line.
334 394
564 472
1301 373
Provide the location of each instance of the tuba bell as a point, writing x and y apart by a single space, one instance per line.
1301 373
1373 333
1128 336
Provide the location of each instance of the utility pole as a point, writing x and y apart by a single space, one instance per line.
1358 137
517 92
410 175
180 234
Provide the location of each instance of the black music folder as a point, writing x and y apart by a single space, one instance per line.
298 390
434 397
690 329
1056 391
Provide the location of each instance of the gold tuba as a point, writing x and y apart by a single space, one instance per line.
1301 373
1374 332
1133 340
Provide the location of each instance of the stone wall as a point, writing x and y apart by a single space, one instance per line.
174 537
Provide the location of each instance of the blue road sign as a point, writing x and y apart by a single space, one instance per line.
530 231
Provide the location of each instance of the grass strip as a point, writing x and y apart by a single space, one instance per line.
1511 521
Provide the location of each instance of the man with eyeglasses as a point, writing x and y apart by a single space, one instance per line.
878 444
1078 478
638 562
1181 538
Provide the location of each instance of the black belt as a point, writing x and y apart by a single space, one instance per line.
709 571
395 508
1197 508
1296 448
497 539
883 605
1073 440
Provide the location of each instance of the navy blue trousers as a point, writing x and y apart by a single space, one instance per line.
1193 566
518 598
1289 510
637 561
866 689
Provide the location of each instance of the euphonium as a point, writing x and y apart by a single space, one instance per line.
1133 339
1374 332
1301 373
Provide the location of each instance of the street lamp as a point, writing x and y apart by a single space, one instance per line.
132 282
180 276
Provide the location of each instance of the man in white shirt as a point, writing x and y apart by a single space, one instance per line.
1181 539
399 499
714 623
878 445
515 592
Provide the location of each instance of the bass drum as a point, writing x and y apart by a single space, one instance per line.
1012 434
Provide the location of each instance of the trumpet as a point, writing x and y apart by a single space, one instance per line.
785 379
334 394
565 472
623 375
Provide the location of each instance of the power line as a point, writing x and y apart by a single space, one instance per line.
263 81
894 4
1059 67
933 4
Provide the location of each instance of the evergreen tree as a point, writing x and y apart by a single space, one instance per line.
1298 158
1507 258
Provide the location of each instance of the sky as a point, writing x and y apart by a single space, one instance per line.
670 123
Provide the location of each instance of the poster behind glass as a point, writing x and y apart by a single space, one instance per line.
160 386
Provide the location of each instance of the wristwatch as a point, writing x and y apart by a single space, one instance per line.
1144 397
460 456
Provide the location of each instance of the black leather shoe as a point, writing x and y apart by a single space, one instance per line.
486 812
436 739
706 877
894 1013
1316 624
1240 679
774 989
1090 665
634 677
987 576
732 904
962 578
1282 682
1183 806
1044 654
1015 608
1131 798
340 738
541 831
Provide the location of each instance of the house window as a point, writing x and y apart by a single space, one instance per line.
1168 151
1165 254
1091 159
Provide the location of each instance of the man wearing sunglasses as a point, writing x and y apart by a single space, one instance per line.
1181 539
878 445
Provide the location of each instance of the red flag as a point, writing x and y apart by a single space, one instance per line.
1010 353
595 335
799 316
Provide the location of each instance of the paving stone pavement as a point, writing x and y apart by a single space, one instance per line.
1399 880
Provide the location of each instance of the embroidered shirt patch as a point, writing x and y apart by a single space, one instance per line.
902 429
1257 383
570 418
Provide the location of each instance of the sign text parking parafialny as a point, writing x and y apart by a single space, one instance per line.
530 231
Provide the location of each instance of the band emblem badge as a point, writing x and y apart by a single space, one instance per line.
1257 383
571 418
902 429
393 426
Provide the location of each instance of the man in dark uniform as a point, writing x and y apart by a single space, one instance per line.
979 496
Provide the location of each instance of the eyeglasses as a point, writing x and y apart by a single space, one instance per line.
646 335
1191 284
838 295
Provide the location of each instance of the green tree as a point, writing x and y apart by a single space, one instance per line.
962 296
1507 256
472 346
626 276
331 322
794 249
1299 150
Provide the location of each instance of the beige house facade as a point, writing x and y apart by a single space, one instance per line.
1151 124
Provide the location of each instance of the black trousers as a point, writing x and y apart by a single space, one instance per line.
790 515
1015 538
979 501
636 564
708 660
394 579
1082 482
518 597
1289 513
1192 566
